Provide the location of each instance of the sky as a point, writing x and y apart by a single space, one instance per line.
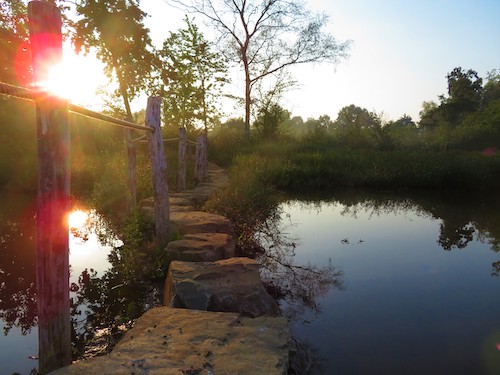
401 51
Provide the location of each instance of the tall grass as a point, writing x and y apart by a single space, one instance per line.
323 164
248 202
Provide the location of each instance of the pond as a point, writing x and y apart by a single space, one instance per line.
19 336
382 283
417 287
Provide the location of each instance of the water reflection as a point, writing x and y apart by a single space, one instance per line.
17 271
297 287
106 304
463 218
110 283
414 299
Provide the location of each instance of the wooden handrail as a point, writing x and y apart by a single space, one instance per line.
34 94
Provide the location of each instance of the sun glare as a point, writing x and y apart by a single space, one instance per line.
77 79
77 219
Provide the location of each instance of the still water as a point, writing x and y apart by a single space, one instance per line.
385 284
419 291
19 334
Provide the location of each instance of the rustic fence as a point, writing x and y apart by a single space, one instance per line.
53 137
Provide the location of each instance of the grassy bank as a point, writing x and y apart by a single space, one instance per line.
301 166
386 169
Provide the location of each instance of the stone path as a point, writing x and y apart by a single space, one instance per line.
168 341
217 319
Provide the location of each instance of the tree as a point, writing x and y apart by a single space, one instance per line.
465 94
294 126
320 126
269 119
115 29
491 90
402 133
267 37
192 75
353 117
15 59
404 122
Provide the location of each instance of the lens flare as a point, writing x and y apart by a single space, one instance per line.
77 219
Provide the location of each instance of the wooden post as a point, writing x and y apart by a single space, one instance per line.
201 164
159 164
181 177
205 156
131 170
52 253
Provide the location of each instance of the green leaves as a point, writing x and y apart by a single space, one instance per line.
191 78
115 30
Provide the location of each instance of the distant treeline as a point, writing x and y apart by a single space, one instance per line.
455 144
467 118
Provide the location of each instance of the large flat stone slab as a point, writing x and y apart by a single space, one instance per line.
147 205
200 222
166 341
229 285
172 200
201 247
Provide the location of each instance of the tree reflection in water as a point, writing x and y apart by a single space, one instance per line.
104 305
496 269
464 218
17 273
297 287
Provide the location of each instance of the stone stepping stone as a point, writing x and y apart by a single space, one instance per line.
200 222
201 247
229 285
177 204
166 341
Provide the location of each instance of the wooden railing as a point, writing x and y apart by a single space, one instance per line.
53 137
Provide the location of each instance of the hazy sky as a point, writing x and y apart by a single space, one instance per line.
400 55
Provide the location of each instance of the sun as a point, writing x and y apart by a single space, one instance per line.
77 78
77 219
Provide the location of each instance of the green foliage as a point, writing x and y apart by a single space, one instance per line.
333 162
388 169
269 121
465 94
248 202
265 38
225 141
18 165
15 58
356 118
115 30
192 75
491 90
467 118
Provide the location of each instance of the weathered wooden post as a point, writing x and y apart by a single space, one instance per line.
159 166
52 253
201 164
181 177
131 170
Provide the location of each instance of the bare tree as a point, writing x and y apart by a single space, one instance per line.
267 36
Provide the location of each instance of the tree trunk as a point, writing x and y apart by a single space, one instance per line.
248 91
